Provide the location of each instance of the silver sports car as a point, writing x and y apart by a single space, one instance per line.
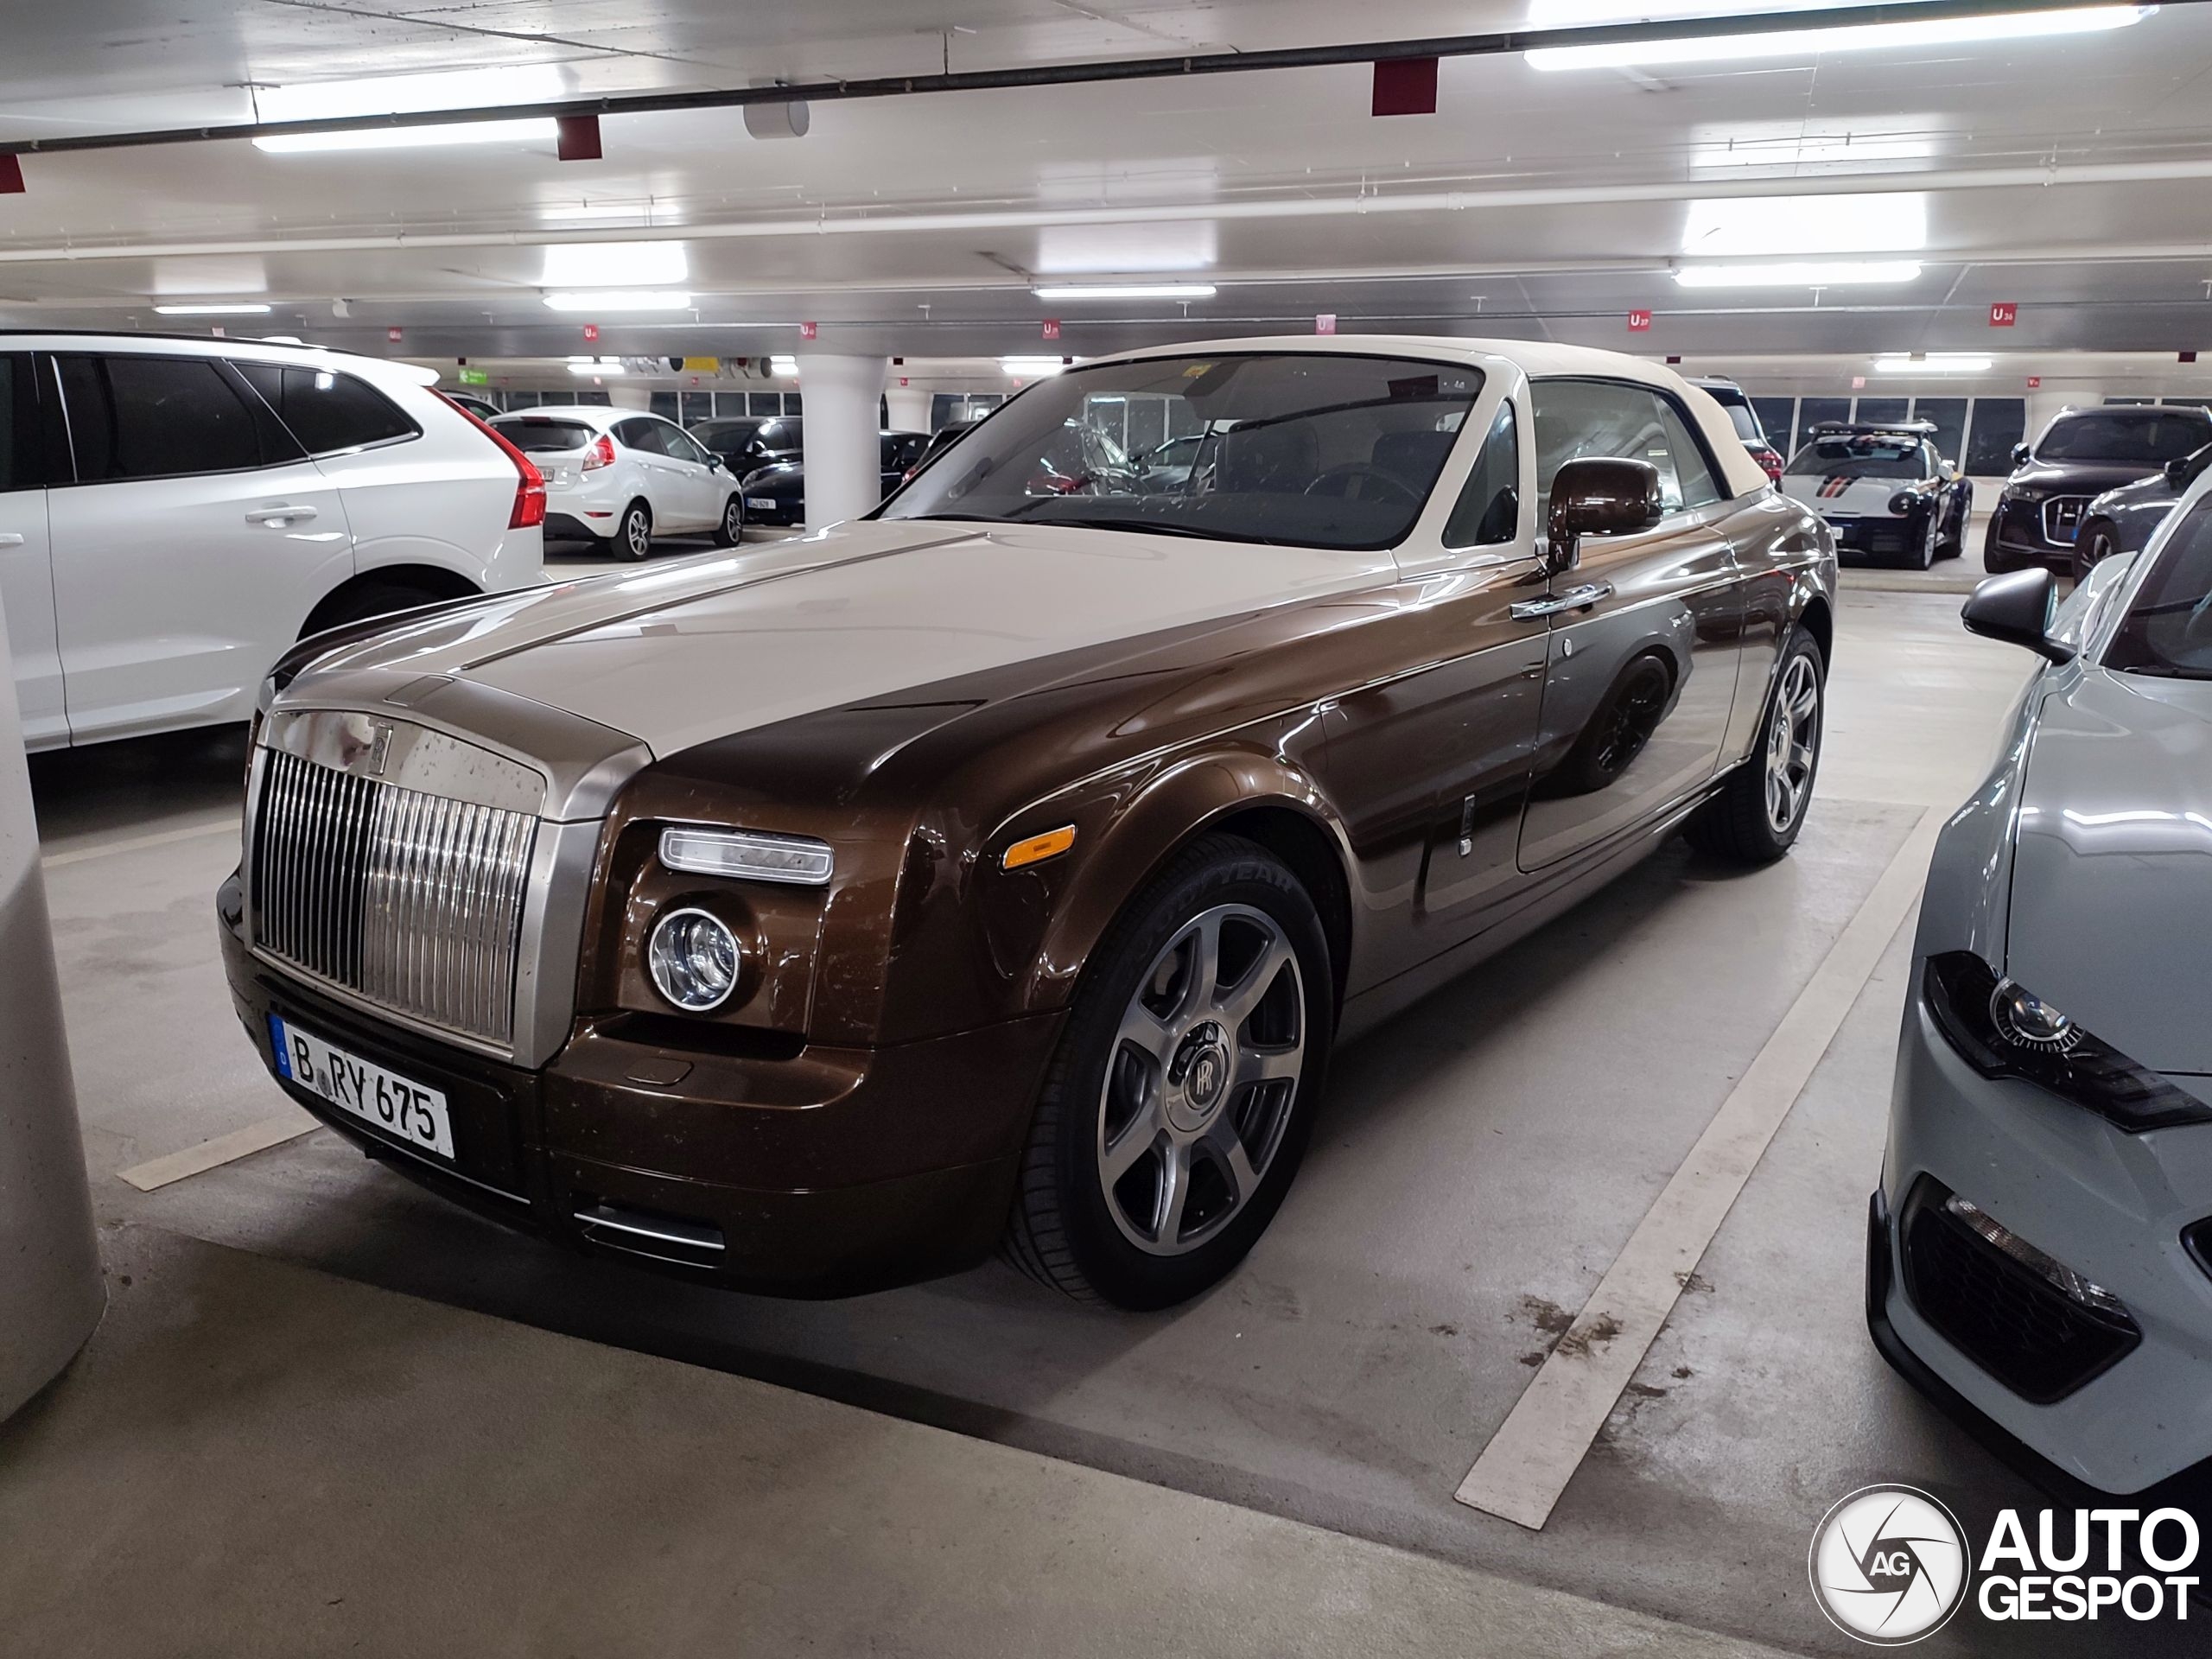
2040 1254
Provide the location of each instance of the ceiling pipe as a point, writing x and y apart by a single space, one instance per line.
1495 43
1284 207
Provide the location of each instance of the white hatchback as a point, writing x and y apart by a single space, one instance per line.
175 513
621 476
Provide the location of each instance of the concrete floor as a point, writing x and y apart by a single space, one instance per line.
1481 1161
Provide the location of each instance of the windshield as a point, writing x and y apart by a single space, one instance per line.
1859 458
2168 629
1311 449
2142 437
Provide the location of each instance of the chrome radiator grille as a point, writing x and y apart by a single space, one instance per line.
410 900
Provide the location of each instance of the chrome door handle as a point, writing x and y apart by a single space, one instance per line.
11 538
281 515
1578 598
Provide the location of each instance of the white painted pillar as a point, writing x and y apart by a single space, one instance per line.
909 408
838 396
630 396
51 1294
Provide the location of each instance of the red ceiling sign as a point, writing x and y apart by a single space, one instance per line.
579 137
1051 327
1405 87
2035 383
591 331
395 336
1325 323
2003 314
11 176
807 331
1639 322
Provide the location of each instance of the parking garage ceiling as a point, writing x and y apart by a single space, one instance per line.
2063 174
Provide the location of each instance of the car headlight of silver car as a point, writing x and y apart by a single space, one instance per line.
2004 1030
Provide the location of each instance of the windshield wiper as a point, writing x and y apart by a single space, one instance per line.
1157 526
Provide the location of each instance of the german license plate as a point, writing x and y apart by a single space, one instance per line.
399 1106
763 503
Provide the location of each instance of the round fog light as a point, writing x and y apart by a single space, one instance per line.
693 957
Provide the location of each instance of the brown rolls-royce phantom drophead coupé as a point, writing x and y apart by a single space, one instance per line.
999 870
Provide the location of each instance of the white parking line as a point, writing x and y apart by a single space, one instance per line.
228 823
222 1149
1528 1463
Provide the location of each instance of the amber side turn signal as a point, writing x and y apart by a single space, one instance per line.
1038 848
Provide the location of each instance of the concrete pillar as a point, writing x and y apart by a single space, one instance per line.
622 397
51 1296
909 408
838 396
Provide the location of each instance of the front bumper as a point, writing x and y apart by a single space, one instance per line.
1880 535
2114 1207
794 1171
2015 541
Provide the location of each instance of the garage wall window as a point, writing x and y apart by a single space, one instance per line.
1811 412
1998 423
155 417
326 410
1778 420
1948 416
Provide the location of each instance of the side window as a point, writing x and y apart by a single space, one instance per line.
1576 418
155 417
683 446
644 436
328 410
1488 511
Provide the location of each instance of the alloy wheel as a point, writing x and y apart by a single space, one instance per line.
1793 737
637 534
1202 1079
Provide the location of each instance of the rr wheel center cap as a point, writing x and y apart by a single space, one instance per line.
1199 1079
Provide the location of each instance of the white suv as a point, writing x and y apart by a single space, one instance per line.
175 513
620 476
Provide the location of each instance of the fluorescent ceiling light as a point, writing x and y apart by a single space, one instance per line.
1860 37
1124 291
1806 273
443 132
783 365
449 89
597 366
1866 222
620 299
613 265
1031 368
216 309
1933 363
559 210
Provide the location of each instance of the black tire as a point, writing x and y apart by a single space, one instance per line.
364 600
633 533
1062 1232
1736 823
1923 558
2091 548
1951 546
731 529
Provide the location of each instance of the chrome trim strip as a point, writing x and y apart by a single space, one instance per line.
661 1232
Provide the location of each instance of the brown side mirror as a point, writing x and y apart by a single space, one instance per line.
1598 495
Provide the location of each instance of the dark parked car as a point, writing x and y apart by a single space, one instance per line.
1737 403
2080 455
748 442
776 493
1883 489
2123 520
941 440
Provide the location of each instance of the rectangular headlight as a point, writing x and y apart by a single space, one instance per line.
748 854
